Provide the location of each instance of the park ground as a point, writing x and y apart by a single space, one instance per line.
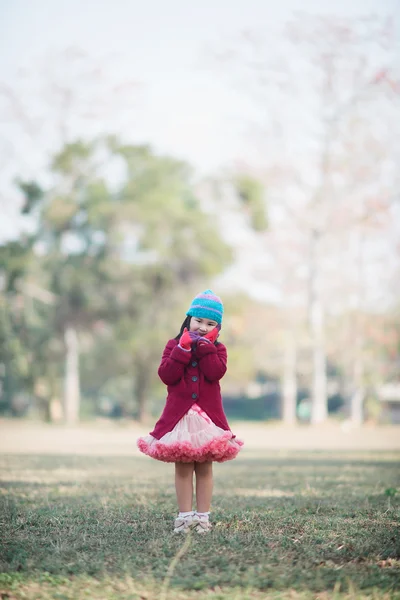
302 513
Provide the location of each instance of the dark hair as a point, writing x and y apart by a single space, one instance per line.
186 323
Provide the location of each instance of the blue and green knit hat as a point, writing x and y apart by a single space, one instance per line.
207 306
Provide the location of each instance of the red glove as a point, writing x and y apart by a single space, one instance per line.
212 335
187 339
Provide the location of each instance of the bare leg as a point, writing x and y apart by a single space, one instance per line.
204 485
184 485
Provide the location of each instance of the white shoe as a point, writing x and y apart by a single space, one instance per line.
201 524
183 524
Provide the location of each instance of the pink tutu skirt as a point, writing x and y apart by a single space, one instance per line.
195 438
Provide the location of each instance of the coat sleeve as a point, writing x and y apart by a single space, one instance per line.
173 363
212 360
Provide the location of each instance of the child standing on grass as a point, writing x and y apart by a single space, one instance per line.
193 431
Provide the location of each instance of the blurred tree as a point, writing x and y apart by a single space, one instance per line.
14 367
311 88
271 257
50 101
119 238
251 192
65 94
172 244
29 357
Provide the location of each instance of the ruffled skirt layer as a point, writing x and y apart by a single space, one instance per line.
195 438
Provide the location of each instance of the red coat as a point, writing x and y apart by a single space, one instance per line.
191 377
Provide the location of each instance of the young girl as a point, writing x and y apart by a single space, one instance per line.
193 431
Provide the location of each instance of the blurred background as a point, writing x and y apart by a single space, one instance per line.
149 151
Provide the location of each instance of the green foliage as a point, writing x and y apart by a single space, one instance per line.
71 159
30 356
33 194
14 358
121 255
251 192
14 262
60 212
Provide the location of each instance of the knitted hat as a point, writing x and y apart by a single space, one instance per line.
207 306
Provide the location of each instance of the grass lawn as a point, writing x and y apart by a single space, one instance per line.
296 525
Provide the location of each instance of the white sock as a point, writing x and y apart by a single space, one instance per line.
183 515
203 515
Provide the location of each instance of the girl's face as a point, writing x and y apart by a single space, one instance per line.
202 326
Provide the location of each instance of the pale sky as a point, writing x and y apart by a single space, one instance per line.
184 107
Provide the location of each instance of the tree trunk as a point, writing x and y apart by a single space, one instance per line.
289 384
319 408
357 398
71 382
357 406
141 392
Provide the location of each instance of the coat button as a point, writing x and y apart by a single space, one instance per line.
194 378
194 364
194 396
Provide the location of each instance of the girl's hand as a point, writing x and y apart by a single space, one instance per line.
187 339
212 335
